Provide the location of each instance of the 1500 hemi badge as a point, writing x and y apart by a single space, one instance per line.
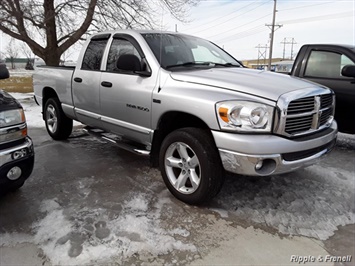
141 108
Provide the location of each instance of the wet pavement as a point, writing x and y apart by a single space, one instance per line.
89 202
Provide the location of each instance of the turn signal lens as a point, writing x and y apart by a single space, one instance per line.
223 113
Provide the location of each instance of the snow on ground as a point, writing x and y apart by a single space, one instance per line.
312 202
293 203
133 231
33 112
21 72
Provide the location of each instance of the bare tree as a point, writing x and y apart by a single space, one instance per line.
26 50
50 27
29 55
12 52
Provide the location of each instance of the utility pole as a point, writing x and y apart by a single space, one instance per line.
272 34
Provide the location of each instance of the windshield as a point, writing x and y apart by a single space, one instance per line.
181 51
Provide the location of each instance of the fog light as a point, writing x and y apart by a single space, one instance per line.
14 173
259 165
19 154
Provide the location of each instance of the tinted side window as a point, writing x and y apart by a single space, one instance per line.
119 47
93 55
325 64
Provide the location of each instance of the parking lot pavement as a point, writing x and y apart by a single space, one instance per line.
88 201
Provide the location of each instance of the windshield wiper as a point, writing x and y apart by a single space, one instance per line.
225 65
210 64
189 64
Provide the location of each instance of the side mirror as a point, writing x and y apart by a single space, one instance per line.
130 62
348 71
4 73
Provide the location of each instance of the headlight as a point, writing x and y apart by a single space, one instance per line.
12 117
244 116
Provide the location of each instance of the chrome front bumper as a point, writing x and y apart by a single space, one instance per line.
7 155
263 155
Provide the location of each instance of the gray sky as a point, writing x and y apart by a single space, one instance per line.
239 25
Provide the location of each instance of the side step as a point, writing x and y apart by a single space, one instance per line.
131 146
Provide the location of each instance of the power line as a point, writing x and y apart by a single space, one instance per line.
240 25
228 20
222 17
318 18
243 34
298 7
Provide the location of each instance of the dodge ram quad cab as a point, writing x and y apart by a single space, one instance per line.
189 105
16 148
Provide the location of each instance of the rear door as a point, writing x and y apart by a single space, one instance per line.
86 82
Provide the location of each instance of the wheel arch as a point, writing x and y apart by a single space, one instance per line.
47 93
169 122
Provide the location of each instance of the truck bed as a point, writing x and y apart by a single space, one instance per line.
58 78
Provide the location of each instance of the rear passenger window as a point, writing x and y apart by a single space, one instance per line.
324 64
93 55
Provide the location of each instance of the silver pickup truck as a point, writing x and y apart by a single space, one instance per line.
189 105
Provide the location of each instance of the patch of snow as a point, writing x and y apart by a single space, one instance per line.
297 203
87 235
137 204
11 240
221 212
21 72
33 112
346 140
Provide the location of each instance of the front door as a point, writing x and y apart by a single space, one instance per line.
324 67
126 97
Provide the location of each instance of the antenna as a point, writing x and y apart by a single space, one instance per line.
160 45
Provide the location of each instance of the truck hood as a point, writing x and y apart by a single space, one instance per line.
264 84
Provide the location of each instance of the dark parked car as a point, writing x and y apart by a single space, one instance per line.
334 67
16 148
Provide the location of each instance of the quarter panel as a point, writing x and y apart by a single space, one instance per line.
57 78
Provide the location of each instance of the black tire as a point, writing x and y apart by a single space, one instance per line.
201 179
17 186
58 125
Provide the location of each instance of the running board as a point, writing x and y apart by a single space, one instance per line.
130 146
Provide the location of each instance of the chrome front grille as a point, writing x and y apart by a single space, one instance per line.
298 124
304 112
301 106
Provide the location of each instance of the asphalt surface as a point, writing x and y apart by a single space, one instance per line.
89 202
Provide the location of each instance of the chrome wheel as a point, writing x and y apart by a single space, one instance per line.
182 168
51 118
